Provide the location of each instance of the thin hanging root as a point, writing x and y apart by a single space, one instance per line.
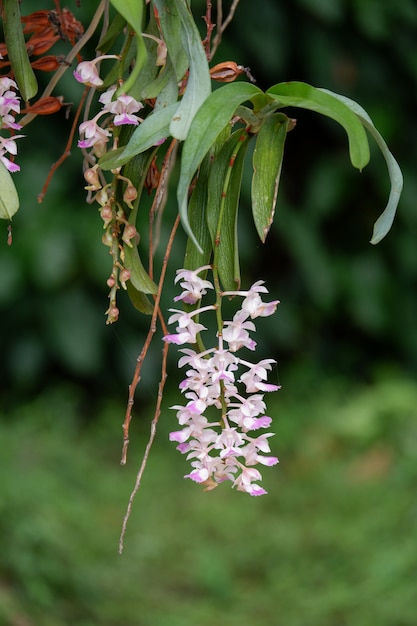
157 204
222 25
67 151
141 357
135 381
150 441
210 26
160 198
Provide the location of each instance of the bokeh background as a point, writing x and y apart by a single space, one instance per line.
335 541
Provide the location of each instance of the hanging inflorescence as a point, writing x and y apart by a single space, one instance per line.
116 111
228 387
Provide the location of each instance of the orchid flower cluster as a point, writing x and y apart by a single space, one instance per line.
115 112
224 448
9 107
123 107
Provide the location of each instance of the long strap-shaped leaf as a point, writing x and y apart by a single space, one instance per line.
224 185
16 50
267 163
197 208
209 121
170 22
306 97
132 12
149 133
198 85
384 221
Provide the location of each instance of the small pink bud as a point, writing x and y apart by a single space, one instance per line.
130 195
87 73
107 239
106 214
161 54
124 275
102 197
129 233
92 178
112 314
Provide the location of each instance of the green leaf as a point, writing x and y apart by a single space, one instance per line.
109 160
136 170
195 257
224 186
185 51
199 84
139 300
132 12
139 278
197 209
16 50
164 87
9 200
385 220
210 120
171 30
112 33
149 133
149 72
165 80
304 96
113 75
267 163
140 60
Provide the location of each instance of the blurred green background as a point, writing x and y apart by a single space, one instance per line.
335 541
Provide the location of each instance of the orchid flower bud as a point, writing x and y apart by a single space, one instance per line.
106 214
161 54
129 233
92 178
86 72
130 195
112 314
107 239
102 197
124 276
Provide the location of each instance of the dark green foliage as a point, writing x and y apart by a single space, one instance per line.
345 305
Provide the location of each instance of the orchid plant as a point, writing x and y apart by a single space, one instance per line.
152 88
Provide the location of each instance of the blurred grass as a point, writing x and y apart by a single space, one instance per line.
334 542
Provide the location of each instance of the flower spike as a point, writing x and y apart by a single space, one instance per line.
224 449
